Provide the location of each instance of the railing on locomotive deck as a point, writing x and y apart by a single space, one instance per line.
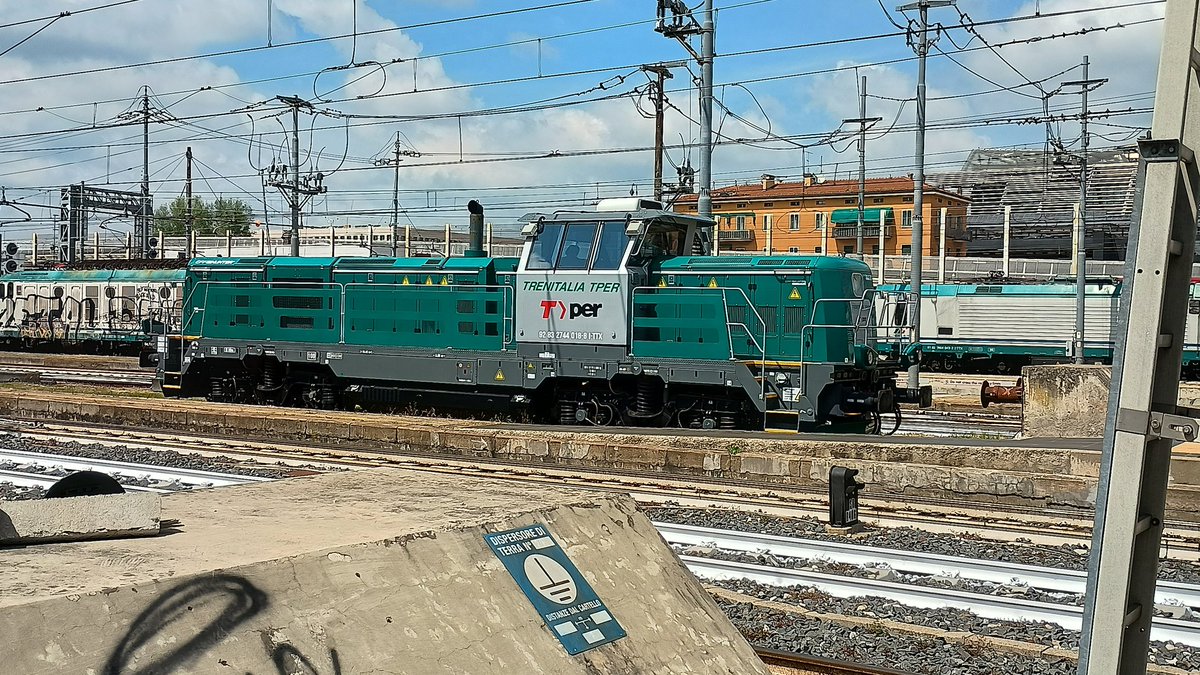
506 314
866 312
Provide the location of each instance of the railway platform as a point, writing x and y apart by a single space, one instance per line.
370 572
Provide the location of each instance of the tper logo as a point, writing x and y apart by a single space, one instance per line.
575 309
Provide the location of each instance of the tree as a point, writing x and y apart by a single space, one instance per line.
208 218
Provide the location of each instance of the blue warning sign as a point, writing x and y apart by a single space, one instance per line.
555 587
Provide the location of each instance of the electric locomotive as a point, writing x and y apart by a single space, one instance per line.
610 317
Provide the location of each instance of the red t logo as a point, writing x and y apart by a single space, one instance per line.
549 306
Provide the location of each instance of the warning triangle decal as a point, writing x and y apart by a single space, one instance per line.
404 281
795 294
712 283
428 281
662 282
499 375
444 282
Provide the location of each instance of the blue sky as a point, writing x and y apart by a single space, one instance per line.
504 157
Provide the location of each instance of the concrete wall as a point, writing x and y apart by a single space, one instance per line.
371 572
1065 401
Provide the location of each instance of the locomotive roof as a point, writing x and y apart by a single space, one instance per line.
645 215
740 262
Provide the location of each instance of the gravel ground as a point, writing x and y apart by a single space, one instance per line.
875 647
946 619
10 492
962 544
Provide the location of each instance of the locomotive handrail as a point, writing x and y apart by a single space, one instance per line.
863 303
761 347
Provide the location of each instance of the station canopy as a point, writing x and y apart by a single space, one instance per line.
850 216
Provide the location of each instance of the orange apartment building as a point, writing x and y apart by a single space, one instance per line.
815 216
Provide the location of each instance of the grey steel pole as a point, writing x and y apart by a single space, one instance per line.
187 223
144 227
862 166
1081 253
395 193
659 98
295 181
707 52
1085 85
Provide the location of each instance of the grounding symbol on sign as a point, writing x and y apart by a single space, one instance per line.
795 294
499 375
550 579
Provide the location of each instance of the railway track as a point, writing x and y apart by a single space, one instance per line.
70 375
36 469
1002 522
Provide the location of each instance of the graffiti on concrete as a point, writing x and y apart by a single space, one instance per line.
213 608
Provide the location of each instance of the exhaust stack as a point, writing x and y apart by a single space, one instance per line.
475 244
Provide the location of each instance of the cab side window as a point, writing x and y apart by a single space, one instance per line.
545 247
611 248
577 246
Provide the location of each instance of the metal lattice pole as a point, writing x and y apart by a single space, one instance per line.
1144 420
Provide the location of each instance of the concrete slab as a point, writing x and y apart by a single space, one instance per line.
1065 401
134 514
379 571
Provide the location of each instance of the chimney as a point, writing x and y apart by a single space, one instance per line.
475 240
768 181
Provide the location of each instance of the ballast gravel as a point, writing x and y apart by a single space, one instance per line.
963 544
946 619
874 646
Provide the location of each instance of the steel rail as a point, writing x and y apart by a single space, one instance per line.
128 469
819 664
986 606
913 562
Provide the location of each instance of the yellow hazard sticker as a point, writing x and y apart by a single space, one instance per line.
795 294
712 283
428 281
499 375
444 282
404 281
662 282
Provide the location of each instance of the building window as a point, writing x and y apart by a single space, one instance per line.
906 249
875 249
908 199
817 249
740 222
877 200
766 223
820 202
848 249
793 249
765 204
742 205
798 203
906 219
849 201
820 220
794 222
